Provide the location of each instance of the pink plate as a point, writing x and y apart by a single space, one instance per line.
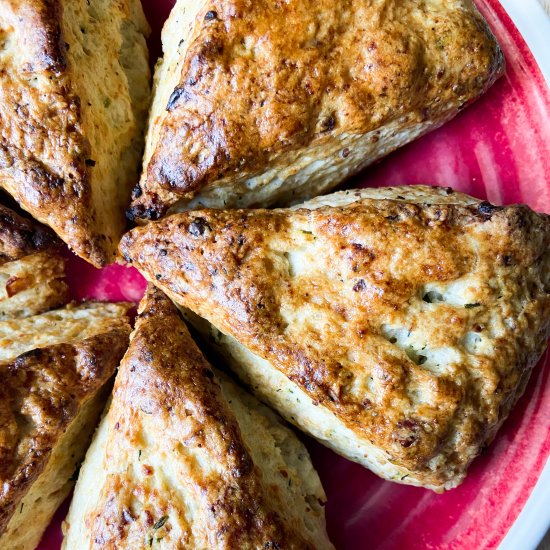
497 149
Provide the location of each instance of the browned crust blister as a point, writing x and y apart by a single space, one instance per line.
414 322
41 392
257 81
20 237
165 380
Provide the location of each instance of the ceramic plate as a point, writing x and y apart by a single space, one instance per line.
498 149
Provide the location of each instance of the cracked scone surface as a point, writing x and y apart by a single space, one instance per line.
51 397
397 325
74 95
186 459
260 103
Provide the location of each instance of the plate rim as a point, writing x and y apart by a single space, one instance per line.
533 23
533 521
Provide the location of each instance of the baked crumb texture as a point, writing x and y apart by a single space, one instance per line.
398 326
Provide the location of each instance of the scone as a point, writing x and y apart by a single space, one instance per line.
31 269
262 103
20 237
398 326
186 459
54 374
74 95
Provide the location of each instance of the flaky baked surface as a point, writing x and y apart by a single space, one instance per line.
184 459
405 320
50 399
264 102
73 100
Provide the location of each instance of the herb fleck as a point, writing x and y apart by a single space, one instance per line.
160 522
471 306
174 97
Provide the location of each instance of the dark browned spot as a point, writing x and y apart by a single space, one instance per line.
136 192
141 212
198 227
208 373
328 124
486 209
359 285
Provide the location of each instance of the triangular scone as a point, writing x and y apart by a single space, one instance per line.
398 326
186 459
73 100
31 270
52 392
260 103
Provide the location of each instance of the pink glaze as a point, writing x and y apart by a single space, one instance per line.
499 148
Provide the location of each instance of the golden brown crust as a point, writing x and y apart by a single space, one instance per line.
415 323
41 392
304 72
20 237
32 285
164 376
47 154
51 181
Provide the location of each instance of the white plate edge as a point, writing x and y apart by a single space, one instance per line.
533 521
534 25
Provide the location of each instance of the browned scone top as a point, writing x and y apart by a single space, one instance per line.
20 237
169 463
41 392
408 319
54 374
260 101
73 98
